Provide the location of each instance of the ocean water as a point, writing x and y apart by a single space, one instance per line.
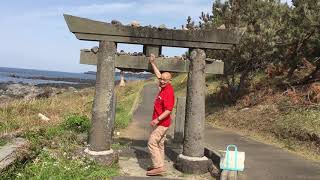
31 76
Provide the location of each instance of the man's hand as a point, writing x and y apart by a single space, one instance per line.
152 58
154 122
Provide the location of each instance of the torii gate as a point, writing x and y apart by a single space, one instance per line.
192 160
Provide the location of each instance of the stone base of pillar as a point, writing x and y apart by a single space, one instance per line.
103 157
193 165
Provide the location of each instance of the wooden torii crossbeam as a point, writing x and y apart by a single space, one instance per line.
192 160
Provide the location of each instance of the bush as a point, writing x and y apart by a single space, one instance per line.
77 123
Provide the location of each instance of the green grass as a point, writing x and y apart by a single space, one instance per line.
126 98
3 142
56 154
300 122
23 115
50 166
179 83
57 147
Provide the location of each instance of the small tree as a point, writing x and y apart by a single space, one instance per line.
275 33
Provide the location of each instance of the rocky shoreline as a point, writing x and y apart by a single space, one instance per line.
11 90
62 79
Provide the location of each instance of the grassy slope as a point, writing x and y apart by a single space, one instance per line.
265 115
21 115
127 99
274 119
55 144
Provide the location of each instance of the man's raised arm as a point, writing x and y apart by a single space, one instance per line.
152 58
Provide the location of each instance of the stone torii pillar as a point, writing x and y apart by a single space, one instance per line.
192 160
101 127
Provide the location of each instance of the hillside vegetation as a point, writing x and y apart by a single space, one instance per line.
271 83
283 118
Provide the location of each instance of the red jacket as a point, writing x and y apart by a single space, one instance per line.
164 101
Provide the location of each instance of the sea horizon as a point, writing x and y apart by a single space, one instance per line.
36 76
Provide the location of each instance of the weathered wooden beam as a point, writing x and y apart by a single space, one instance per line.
86 29
142 63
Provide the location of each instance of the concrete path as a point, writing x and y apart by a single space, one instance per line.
263 162
135 159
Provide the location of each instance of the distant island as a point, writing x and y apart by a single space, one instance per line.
90 72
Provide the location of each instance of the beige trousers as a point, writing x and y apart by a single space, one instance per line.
156 146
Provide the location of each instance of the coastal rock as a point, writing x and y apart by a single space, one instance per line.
116 22
48 92
4 98
19 90
27 91
95 49
43 117
12 152
162 26
72 89
135 24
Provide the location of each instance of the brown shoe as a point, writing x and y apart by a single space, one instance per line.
156 171
150 168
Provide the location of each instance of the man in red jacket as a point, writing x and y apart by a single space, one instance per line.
161 120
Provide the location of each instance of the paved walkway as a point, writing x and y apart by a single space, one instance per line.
135 159
263 162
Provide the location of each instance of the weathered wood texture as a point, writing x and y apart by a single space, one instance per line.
101 124
86 29
142 63
195 106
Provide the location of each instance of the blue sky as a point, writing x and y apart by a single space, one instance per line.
34 34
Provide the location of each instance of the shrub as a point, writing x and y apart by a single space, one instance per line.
77 123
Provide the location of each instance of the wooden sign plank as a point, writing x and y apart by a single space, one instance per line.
142 63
